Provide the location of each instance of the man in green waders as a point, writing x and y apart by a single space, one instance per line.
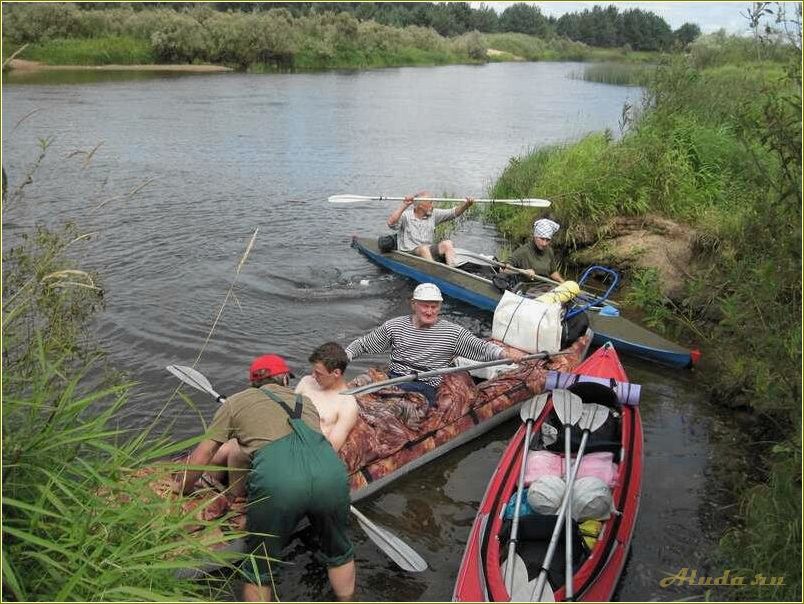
294 472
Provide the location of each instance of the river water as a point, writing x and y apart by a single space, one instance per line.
173 174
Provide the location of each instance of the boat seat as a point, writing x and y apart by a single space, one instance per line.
606 439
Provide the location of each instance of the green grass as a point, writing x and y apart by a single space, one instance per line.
112 50
717 148
618 74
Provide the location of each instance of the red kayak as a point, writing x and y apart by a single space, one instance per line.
600 545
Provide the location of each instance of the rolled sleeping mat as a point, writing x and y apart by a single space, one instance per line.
627 393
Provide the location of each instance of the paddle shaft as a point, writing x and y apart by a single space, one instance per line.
514 269
525 202
509 567
564 511
412 377
399 551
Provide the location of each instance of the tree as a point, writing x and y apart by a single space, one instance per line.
524 19
686 34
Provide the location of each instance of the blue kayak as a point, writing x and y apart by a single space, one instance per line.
627 336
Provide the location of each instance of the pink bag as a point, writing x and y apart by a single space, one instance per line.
600 465
543 463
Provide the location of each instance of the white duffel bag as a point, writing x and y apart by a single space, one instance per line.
527 324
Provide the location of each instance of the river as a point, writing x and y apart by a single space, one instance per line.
174 173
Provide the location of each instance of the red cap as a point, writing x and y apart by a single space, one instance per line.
268 366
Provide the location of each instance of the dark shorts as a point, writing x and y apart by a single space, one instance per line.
292 478
429 392
437 256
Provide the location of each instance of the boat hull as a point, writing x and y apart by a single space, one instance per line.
480 577
627 336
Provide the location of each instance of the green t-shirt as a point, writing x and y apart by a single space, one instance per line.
528 256
255 420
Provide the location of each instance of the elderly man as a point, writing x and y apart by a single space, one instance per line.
423 342
536 257
417 227
294 472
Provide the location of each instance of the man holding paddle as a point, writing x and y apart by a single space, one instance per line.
417 227
422 342
295 472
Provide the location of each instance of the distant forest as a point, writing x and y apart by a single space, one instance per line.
599 26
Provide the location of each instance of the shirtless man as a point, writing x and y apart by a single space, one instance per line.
338 412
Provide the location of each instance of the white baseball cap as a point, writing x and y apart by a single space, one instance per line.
427 292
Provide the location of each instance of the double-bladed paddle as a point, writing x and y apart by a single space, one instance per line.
396 549
421 375
463 256
525 202
592 417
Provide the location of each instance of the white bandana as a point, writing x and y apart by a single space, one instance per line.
545 228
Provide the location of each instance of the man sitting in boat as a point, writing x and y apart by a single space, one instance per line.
338 412
295 472
416 227
536 257
423 342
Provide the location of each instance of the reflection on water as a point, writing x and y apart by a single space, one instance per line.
80 76
212 157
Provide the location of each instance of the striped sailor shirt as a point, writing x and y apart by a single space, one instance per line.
423 349
414 232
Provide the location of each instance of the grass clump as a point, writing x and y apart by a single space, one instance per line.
110 50
617 74
79 523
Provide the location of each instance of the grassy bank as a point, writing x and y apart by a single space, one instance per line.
718 148
79 524
267 40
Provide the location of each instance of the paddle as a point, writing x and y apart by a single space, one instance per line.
396 549
462 256
521 590
569 409
528 203
530 410
591 419
419 375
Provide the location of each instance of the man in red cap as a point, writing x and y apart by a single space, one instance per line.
294 472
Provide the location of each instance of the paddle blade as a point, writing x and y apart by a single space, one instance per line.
348 198
532 408
396 549
593 417
521 589
193 378
568 406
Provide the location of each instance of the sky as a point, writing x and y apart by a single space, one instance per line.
709 16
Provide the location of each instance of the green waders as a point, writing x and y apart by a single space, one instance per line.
298 475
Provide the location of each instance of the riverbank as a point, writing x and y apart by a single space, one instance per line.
272 40
713 166
23 65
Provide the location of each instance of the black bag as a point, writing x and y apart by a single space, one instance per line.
387 243
574 328
505 281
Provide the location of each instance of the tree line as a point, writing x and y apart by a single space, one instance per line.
601 26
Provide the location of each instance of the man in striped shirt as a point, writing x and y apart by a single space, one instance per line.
423 342
416 227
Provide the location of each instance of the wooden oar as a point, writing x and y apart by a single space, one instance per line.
396 549
525 202
463 256
420 375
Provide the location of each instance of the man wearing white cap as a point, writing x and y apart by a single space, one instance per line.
536 256
423 342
